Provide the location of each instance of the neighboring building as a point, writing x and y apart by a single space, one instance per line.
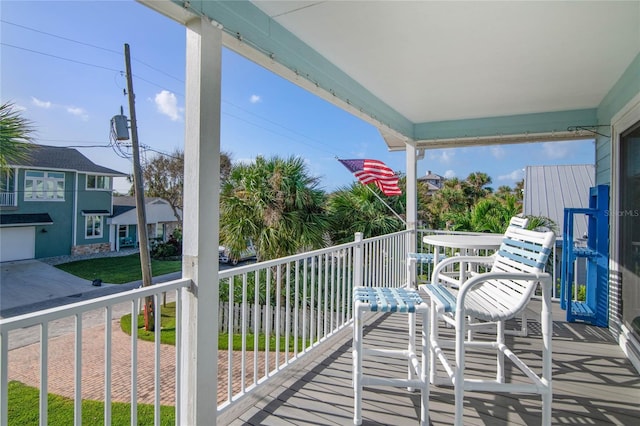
549 189
161 221
433 181
54 203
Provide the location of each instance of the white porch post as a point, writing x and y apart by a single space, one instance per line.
412 195
199 348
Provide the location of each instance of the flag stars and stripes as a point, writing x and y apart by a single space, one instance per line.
373 171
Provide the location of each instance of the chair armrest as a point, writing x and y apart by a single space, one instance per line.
459 259
543 278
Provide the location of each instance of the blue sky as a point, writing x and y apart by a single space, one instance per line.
63 64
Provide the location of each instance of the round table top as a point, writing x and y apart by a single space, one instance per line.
465 241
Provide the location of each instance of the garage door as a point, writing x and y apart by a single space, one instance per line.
17 243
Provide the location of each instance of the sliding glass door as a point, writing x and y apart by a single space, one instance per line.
629 227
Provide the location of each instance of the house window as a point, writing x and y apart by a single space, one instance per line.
43 186
97 182
123 231
93 226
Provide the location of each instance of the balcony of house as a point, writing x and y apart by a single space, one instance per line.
7 199
284 356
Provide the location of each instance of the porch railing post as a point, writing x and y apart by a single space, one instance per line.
197 403
358 263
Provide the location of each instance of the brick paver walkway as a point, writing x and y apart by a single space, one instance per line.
24 365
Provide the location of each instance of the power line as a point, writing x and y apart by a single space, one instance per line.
124 155
60 57
89 45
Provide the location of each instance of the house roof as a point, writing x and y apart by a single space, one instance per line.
442 73
23 219
128 200
126 203
62 158
431 176
549 189
118 210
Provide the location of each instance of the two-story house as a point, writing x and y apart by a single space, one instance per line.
55 202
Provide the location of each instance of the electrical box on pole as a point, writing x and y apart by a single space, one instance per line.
120 127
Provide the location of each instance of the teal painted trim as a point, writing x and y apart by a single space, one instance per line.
627 86
259 30
603 161
506 125
625 89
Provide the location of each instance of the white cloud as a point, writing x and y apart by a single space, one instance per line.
516 175
556 150
167 104
449 174
254 99
79 112
498 152
19 107
41 104
445 156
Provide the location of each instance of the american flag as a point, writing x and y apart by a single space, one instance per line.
368 171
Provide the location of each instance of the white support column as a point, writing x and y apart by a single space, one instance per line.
412 195
199 357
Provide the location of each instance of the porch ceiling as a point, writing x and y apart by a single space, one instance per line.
417 69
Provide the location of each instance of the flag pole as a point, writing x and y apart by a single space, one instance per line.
388 206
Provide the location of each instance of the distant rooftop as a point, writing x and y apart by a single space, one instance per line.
62 158
549 189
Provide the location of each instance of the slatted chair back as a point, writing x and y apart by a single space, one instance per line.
520 222
522 251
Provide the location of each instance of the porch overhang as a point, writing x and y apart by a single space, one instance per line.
25 219
433 74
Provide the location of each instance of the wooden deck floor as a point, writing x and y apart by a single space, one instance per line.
594 384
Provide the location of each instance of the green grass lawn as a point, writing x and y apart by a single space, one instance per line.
24 409
118 270
168 332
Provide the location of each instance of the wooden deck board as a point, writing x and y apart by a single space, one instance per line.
593 384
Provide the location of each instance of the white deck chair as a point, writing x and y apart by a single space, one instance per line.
519 222
495 297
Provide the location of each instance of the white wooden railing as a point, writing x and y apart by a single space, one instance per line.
307 296
7 199
43 319
309 301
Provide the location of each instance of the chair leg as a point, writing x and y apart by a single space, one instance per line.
546 320
433 340
500 355
357 366
458 380
424 406
411 347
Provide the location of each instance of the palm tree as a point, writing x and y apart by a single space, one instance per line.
475 187
15 134
356 209
275 203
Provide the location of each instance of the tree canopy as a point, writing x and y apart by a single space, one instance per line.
164 177
274 202
16 132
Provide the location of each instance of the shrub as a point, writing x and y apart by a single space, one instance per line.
171 248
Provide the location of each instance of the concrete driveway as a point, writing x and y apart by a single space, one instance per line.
31 285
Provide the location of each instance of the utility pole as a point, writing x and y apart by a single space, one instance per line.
143 239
